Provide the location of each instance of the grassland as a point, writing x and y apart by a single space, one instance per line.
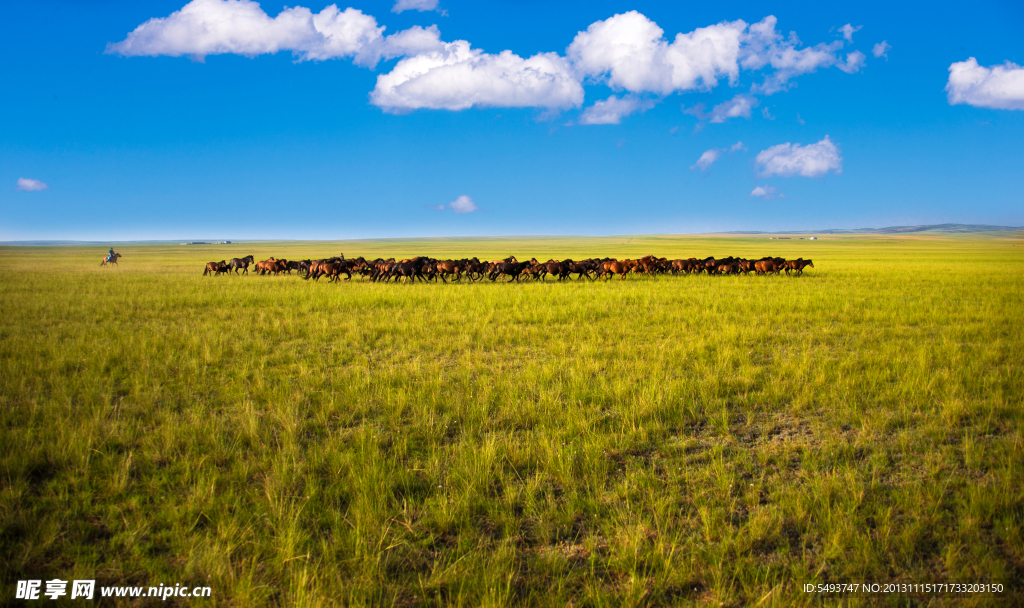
654 441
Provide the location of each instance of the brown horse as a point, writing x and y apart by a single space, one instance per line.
766 267
557 269
271 266
798 265
616 267
215 268
110 259
447 268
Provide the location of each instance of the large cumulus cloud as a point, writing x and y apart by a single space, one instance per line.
628 52
457 77
1000 87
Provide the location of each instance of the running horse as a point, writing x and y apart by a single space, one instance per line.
241 263
110 259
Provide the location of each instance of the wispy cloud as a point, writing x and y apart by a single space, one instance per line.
738 106
611 111
848 31
414 5
767 47
709 157
766 192
30 185
881 50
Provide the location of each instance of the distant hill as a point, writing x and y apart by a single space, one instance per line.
941 228
106 243
946 228
19 243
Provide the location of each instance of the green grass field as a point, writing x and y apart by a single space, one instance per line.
684 440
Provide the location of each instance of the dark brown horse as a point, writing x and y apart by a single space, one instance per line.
448 268
242 264
509 269
557 269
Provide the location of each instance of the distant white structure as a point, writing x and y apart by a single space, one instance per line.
813 238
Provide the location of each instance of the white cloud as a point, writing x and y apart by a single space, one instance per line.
406 43
459 77
414 5
463 204
1000 87
881 49
764 46
766 192
734 108
707 159
848 31
812 160
629 52
854 62
610 111
213 27
31 185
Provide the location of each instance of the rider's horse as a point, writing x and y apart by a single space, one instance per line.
110 259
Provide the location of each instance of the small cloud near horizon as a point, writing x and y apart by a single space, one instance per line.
463 204
31 185
766 193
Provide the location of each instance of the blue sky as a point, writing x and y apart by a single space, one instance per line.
227 119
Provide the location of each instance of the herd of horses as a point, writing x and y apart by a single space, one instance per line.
430 269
